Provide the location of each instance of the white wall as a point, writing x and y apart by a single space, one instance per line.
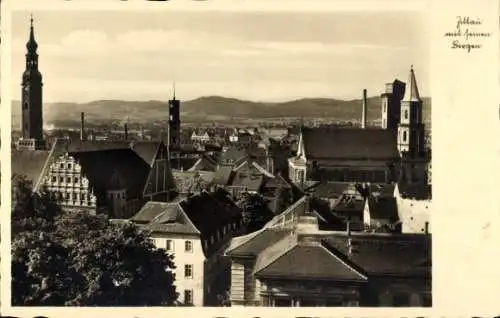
413 214
196 258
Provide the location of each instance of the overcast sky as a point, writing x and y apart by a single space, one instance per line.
267 56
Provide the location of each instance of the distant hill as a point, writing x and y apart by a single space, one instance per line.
207 109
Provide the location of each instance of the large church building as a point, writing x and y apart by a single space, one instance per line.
394 152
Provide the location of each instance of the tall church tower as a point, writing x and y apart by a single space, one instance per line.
31 99
411 132
174 123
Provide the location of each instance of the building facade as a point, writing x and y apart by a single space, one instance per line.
196 231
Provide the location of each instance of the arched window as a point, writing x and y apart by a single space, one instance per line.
404 136
406 113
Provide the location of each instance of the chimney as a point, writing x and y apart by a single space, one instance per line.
82 126
426 227
126 131
363 115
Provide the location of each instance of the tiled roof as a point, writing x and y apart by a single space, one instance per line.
151 210
164 218
277 182
330 190
383 209
29 163
400 255
310 261
233 153
222 175
209 212
338 143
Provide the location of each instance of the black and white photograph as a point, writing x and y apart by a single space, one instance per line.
221 159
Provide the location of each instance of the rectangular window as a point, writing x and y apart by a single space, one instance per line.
188 246
169 245
188 297
188 271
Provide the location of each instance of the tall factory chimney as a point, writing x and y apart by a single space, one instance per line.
82 126
363 115
126 131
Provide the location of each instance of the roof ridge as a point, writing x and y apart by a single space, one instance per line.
350 266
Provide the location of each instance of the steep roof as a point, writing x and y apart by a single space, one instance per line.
411 90
144 149
210 211
29 163
100 167
349 143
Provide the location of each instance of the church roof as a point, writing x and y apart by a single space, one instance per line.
349 143
411 90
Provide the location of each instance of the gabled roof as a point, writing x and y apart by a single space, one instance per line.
311 261
162 217
349 143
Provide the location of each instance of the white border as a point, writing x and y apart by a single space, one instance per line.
466 173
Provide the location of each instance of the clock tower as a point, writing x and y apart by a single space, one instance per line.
31 99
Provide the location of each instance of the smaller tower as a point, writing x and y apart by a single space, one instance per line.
174 122
411 130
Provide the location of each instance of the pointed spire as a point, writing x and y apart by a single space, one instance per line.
411 90
31 45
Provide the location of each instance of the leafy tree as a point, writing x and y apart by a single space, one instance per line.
78 259
255 211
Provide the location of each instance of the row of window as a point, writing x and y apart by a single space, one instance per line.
62 179
85 197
